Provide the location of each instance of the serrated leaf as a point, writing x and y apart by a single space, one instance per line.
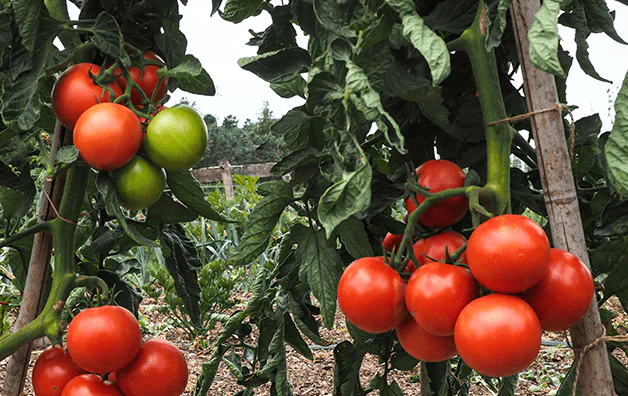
27 16
452 16
354 238
429 44
497 10
183 262
319 267
201 84
543 36
290 88
105 186
293 126
108 38
238 10
599 14
277 66
67 154
334 15
189 191
345 198
261 223
616 149
579 20
168 211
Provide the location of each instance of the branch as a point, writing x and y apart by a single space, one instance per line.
39 227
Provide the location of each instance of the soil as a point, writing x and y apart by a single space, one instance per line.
315 378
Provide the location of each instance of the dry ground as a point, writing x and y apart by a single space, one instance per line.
315 378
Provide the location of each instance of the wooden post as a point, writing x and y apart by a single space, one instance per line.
38 273
225 171
560 196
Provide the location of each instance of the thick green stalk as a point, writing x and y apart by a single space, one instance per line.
63 277
498 137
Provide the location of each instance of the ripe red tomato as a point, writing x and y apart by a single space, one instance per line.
437 293
159 369
104 339
498 335
75 91
371 294
422 345
139 183
108 136
508 253
52 371
439 175
147 79
392 241
564 294
90 385
437 245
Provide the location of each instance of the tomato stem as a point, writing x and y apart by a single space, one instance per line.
8 241
58 9
498 137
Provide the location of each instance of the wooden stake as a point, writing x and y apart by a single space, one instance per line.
38 273
225 169
560 195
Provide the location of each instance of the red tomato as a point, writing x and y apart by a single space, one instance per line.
508 253
371 294
147 80
104 339
392 241
159 369
108 136
564 294
52 371
90 385
422 345
436 293
439 175
498 335
437 245
75 91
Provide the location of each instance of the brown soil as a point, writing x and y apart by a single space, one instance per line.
315 378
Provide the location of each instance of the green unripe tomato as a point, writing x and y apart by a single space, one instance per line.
176 138
139 183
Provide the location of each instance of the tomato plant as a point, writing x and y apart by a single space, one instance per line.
159 369
90 385
508 253
371 295
139 183
564 293
75 91
392 241
423 345
436 176
436 293
176 138
104 339
108 136
436 247
146 78
52 371
498 335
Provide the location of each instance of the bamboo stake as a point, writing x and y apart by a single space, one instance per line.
560 196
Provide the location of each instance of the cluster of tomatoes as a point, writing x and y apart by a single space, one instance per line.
111 136
106 357
490 306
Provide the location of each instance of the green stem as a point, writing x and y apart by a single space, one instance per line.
59 10
8 241
498 137
92 282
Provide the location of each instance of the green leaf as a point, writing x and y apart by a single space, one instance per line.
402 360
295 160
192 77
543 36
452 16
508 385
616 149
262 222
125 295
290 88
189 191
108 38
27 16
18 257
168 211
497 10
67 154
354 238
238 10
105 186
294 339
319 267
598 13
620 375
182 261
566 387
335 15
347 362
429 44
293 126
345 198
579 20
277 66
